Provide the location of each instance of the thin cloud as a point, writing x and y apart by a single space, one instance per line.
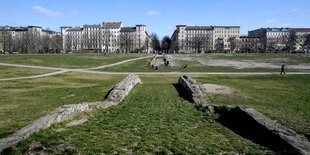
295 10
170 27
153 13
46 11
271 20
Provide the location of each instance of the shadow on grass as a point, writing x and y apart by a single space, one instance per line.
245 126
182 93
109 92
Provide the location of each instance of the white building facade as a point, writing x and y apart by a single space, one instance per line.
105 37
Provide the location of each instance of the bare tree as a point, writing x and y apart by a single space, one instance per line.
301 41
175 46
307 43
233 43
68 43
166 43
7 41
97 40
200 42
219 45
155 42
261 46
272 45
56 43
126 42
106 42
288 42
75 43
46 43
27 42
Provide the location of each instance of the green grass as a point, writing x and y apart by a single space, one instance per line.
13 72
152 119
24 101
196 66
67 60
282 98
141 66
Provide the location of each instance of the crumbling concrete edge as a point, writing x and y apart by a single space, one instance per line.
193 89
66 112
297 141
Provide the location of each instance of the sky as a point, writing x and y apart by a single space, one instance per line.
159 16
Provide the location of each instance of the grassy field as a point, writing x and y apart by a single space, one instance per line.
282 98
152 119
155 119
67 61
195 66
13 72
141 66
24 101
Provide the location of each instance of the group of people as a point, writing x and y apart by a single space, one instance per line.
154 65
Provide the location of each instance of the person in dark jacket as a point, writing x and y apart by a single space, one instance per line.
282 70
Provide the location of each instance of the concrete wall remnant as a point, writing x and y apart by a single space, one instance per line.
66 112
193 89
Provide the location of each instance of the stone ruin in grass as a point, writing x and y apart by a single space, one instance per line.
66 112
247 122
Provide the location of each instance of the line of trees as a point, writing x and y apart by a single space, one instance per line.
291 42
30 43
197 43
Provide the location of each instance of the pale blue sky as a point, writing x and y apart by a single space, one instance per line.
160 16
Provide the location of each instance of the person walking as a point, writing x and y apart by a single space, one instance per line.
282 70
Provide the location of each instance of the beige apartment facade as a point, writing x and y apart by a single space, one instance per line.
183 35
224 33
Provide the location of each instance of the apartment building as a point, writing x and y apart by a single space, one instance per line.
137 37
302 35
246 44
111 34
223 34
92 37
18 35
269 34
105 37
186 36
277 35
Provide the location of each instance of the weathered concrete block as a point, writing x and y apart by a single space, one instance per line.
193 89
251 124
297 141
123 88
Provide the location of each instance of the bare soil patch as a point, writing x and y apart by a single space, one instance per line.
271 63
217 89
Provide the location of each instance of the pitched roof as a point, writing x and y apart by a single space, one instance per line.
75 29
198 28
111 25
